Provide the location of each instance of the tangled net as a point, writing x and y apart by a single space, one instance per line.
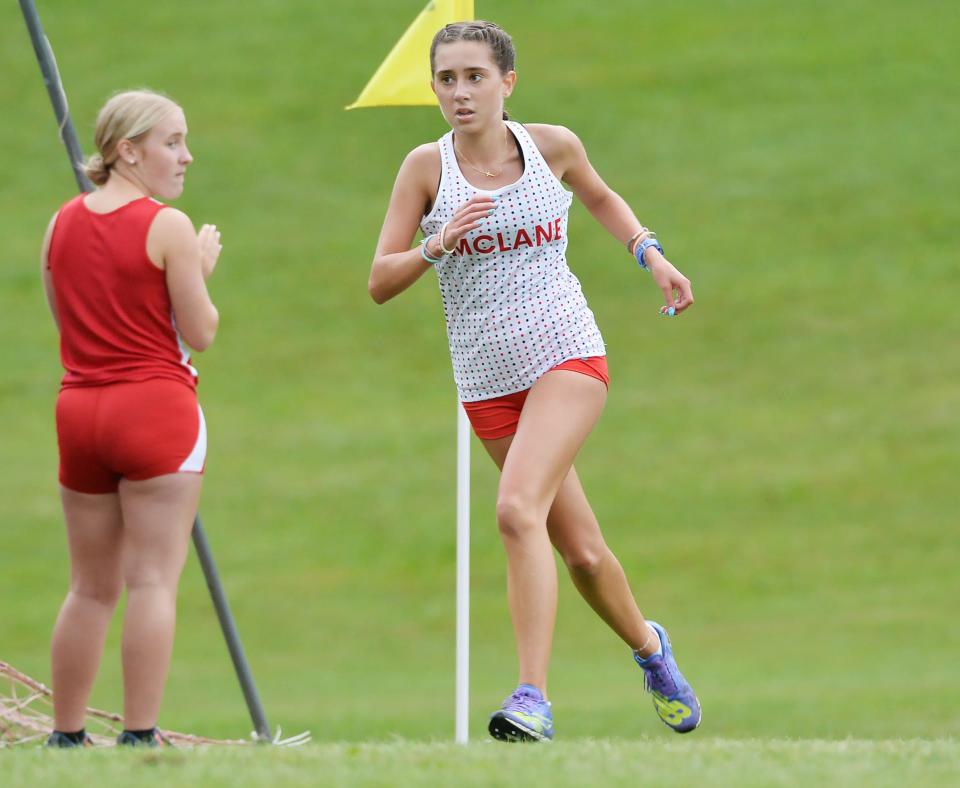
26 716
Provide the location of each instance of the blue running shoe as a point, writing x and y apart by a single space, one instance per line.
673 697
525 716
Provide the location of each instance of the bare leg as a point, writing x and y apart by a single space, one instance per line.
158 516
594 569
557 417
95 538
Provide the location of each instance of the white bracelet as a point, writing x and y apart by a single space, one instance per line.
443 246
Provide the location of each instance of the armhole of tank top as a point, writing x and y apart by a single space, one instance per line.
444 177
146 237
535 151
53 235
519 143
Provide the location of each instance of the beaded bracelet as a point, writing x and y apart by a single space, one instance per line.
425 254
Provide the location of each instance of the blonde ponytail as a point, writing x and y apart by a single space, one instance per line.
96 169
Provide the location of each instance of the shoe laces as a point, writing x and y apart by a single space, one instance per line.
657 677
521 700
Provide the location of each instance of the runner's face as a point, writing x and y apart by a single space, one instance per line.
469 85
164 156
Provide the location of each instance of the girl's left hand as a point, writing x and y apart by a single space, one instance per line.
675 286
210 248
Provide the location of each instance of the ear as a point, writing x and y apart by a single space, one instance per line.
509 82
433 87
126 150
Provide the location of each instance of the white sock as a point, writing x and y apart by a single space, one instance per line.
657 641
659 644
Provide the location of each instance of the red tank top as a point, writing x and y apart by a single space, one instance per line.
116 321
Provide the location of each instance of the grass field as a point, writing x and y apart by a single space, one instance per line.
709 762
777 471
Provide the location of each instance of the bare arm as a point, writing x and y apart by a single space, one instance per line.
395 265
568 158
45 276
188 259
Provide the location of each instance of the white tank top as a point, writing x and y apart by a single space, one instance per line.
513 308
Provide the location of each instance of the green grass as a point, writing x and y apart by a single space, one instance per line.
776 471
706 762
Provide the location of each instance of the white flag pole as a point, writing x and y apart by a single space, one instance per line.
463 575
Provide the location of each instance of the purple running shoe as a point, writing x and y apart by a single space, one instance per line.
673 697
525 716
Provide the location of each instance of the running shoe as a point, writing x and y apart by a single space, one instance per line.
59 740
525 716
673 697
155 739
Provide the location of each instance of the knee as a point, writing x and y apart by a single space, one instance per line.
516 517
151 581
585 560
102 591
155 573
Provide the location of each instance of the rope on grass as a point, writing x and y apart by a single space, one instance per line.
26 717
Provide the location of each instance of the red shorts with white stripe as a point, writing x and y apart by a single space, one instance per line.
498 417
130 431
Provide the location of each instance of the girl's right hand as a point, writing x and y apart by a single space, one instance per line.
210 248
468 217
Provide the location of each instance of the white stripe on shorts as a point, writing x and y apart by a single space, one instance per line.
198 456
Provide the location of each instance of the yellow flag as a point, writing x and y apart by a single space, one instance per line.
403 79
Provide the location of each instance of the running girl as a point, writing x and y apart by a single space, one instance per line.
528 358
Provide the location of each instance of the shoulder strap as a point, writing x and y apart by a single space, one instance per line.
530 150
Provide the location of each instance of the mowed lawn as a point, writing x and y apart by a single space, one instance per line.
775 470
707 761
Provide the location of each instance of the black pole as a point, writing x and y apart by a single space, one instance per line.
51 78
68 135
230 634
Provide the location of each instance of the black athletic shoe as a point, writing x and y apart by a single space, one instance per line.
153 739
60 740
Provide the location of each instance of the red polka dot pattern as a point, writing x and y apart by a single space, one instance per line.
512 306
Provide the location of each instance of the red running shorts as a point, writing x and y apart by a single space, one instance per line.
498 417
130 431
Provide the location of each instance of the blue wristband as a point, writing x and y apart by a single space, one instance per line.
641 247
425 254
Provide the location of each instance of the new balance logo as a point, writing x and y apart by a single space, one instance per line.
672 712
